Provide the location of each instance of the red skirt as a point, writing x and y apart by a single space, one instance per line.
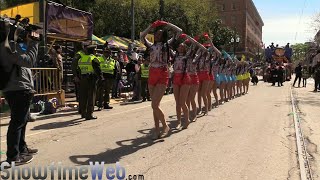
194 79
180 79
203 76
158 76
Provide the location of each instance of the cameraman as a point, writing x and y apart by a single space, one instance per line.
18 93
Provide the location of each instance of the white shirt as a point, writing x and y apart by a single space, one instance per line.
134 56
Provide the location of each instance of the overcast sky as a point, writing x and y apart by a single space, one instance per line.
287 20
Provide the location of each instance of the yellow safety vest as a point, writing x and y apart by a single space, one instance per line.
81 53
144 71
107 65
85 63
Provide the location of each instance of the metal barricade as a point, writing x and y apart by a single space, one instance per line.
46 81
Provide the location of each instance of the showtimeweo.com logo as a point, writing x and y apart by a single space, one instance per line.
57 171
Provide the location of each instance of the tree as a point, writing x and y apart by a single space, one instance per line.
315 24
221 36
3 4
113 16
299 51
11 3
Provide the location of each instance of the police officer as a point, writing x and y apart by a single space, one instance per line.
144 80
79 47
90 72
109 68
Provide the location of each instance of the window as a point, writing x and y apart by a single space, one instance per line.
233 20
233 6
223 7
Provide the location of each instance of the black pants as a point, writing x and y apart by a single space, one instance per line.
316 83
137 88
295 80
274 79
104 89
280 80
87 94
19 103
304 82
144 88
115 91
76 89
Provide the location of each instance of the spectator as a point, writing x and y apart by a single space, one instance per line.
144 79
298 71
130 69
305 75
118 74
170 88
280 75
316 76
58 62
137 81
274 74
18 93
134 55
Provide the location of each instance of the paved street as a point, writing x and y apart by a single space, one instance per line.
251 137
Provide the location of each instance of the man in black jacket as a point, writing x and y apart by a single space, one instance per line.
298 71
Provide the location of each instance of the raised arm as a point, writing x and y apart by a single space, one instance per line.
193 41
190 50
28 58
143 36
177 30
214 48
197 56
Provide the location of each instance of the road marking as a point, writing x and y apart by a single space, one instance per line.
44 131
305 169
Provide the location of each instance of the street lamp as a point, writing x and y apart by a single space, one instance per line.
161 9
132 21
235 41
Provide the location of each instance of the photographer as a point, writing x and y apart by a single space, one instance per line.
18 93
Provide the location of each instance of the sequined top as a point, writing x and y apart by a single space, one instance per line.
179 65
158 55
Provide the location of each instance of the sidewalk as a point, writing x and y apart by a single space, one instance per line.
309 107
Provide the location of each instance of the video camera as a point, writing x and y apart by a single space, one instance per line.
18 30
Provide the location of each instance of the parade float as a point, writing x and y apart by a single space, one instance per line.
281 57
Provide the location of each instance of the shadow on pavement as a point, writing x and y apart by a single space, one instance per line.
309 101
127 147
49 116
56 125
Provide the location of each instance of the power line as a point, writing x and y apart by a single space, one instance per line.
304 6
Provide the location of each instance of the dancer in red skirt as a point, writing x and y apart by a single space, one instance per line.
181 83
158 72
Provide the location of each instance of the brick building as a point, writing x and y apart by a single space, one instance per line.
242 16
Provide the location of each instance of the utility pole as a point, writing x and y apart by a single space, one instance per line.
161 9
132 16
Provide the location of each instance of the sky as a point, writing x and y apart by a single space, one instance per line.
287 21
